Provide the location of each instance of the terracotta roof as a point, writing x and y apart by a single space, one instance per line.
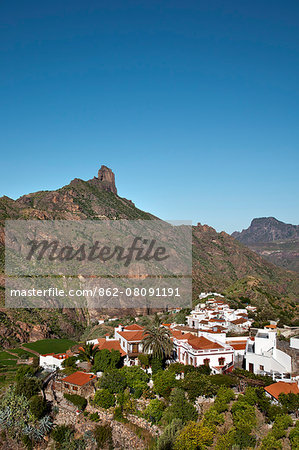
202 343
134 327
110 345
79 378
239 321
271 326
132 336
282 388
179 335
237 345
216 320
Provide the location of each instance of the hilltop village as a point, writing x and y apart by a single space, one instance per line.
205 379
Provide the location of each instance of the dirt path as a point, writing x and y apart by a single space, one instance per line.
30 351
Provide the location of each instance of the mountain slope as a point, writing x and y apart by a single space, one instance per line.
274 240
220 263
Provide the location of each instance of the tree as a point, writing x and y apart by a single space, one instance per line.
289 401
104 399
157 341
106 359
196 384
194 436
270 443
144 360
70 362
164 382
179 408
38 406
28 386
24 371
114 381
88 352
154 410
166 440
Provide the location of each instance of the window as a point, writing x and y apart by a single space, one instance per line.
206 362
221 361
66 385
261 367
75 388
251 367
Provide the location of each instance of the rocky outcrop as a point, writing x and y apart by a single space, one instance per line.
105 180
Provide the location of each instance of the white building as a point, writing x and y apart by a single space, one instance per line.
52 361
263 357
197 351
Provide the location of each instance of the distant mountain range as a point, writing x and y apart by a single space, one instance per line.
220 262
276 241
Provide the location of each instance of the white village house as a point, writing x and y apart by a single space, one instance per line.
263 357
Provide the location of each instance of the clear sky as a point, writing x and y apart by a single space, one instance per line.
193 104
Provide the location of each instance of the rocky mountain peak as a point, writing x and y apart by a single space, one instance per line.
105 179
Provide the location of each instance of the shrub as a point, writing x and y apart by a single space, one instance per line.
106 360
213 418
103 435
62 433
270 443
76 400
69 362
24 371
281 424
294 437
28 386
194 436
104 399
166 440
224 380
226 441
114 381
38 406
154 410
144 360
118 414
244 440
164 382
196 384
289 401
179 408
156 365
94 417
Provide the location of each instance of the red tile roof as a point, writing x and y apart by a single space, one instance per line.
110 345
79 378
237 345
281 388
239 321
132 336
134 327
202 343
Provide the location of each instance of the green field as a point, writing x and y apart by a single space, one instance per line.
5 356
20 353
50 345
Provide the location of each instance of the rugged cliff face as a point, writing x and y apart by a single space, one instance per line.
276 241
220 263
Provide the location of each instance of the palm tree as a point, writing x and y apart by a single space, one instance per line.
157 341
87 353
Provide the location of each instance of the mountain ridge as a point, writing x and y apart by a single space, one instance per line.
274 240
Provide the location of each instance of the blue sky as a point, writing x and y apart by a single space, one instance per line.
193 104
